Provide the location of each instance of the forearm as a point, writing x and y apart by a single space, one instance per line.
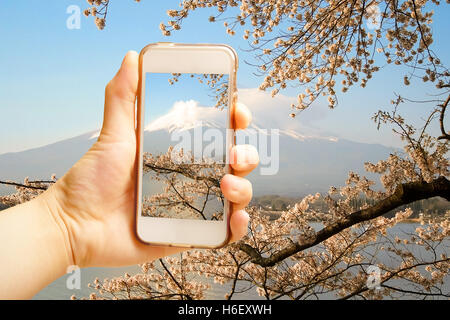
33 249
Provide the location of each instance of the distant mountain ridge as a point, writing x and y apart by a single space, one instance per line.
185 115
306 165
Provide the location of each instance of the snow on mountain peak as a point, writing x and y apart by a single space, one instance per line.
185 115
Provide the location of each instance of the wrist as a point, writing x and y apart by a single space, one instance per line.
34 248
54 218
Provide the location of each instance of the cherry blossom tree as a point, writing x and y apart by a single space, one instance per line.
192 188
288 257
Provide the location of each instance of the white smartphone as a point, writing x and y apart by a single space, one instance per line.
185 133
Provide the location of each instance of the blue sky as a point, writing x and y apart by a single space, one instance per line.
160 96
52 79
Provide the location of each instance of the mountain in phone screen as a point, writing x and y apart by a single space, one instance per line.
185 138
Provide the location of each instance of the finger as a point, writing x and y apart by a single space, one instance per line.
243 159
120 97
237 190
238 225
242 116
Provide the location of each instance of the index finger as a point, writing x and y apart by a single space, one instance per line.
242 116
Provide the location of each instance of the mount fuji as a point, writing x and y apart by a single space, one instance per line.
307 164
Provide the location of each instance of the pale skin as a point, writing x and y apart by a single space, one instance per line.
87 217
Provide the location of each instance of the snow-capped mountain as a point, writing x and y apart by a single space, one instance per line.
305 164
186 115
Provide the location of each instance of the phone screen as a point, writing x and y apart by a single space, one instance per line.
185 143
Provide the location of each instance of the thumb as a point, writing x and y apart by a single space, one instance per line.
120 97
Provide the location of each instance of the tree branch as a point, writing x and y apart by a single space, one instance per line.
187 173
404 194
173 278
443 106
364 288
23 185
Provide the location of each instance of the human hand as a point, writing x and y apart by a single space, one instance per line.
94 202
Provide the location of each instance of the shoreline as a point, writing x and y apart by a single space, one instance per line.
273 215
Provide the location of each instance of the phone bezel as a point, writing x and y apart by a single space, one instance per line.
183 58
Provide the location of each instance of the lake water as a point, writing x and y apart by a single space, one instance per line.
58 289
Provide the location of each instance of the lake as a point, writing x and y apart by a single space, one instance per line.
59 290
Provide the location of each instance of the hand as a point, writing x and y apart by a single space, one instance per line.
93 203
